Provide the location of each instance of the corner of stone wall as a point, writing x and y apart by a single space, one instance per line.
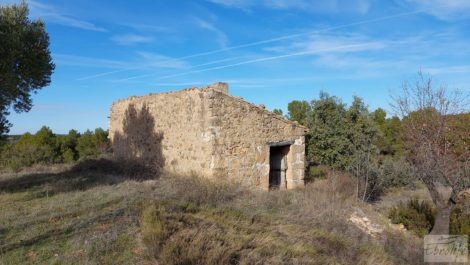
298 163
219 87
211 135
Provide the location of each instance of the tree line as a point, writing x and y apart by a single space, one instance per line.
428 140
351 138
45 147
371 146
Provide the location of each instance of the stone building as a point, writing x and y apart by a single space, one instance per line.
210 133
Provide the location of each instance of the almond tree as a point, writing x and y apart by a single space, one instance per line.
436 134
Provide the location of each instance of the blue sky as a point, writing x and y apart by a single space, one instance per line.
269 51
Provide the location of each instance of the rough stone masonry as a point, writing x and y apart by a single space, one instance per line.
206 131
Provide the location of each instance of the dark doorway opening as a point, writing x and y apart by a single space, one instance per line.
278 166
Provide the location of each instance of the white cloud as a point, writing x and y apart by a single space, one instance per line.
53 15
443 9
221 37
328 6
129 39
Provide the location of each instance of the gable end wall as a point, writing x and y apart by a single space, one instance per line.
242 143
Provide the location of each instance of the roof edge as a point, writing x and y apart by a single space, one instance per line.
220 88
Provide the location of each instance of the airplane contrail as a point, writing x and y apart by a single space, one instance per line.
256 43
108 73
195 66
266 59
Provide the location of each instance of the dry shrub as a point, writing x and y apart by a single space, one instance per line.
324 203
197 221
204 235
327 197
403 248
178 236
198 190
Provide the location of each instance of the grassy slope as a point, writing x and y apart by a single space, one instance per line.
94 216
77 227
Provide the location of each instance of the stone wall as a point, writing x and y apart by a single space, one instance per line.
169 130
208 132
242 144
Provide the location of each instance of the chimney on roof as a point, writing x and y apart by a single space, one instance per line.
219 87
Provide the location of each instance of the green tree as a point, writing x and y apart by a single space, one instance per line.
393 136
45 147
40 148
362 163
70 140
328 142
68 156
20 154
379 116
278 111
92 144
26 64
389 140
101 140
299 111
85 145
69 146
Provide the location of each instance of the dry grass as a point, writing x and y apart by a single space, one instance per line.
70 216
195 221
393 197
102 213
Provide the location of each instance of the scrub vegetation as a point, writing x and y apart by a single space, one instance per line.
98 212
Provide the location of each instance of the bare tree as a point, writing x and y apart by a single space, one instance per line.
436 138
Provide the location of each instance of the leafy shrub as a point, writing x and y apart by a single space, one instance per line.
396 173
68 156
460 222
415 215
41 148
45 147
92 144
316 172
69 146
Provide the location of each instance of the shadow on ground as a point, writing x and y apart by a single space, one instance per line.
137 156
84 175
